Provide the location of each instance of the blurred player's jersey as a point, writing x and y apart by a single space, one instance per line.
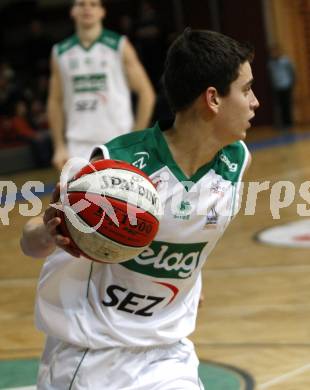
97 98
153 298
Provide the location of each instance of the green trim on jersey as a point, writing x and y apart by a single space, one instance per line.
110 39
107 37
129 147
228 162
67 44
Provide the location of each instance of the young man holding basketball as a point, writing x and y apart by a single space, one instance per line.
125 326
93 73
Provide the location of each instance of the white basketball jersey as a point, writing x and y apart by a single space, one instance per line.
153 298
97 99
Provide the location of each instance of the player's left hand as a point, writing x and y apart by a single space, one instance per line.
52 222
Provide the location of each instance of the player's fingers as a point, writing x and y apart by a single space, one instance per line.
50 213
52 225
56 193
62 240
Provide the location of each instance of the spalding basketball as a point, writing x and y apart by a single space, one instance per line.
111 211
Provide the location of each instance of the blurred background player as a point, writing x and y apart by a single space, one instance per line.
282 77
125 326
93 74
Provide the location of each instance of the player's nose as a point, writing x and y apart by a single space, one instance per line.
254 102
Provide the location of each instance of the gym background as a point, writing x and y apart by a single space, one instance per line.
29 28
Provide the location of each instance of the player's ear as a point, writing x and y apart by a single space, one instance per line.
212 98
103 12
72 13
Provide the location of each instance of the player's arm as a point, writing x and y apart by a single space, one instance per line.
56 117
40 235
140 84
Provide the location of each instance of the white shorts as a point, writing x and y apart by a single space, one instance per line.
171 367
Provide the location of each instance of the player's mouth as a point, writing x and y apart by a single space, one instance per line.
87 16
251 120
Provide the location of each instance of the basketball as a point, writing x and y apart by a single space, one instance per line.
110 211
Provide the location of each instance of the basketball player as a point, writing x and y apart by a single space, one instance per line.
125 326
93 74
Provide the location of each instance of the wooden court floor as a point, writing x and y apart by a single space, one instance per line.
255 315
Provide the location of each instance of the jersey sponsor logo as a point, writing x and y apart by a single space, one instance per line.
142 160
217 189
83 105
131 302
231 166
184 210
168 260
89 83
73 63
160 182
172 288
212 219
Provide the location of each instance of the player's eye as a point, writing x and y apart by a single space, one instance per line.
247 90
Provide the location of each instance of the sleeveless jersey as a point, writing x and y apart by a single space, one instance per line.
97 99
153 298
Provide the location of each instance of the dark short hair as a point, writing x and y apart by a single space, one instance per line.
199 59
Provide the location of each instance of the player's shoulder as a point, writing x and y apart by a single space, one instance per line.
133 140
137 148
232 160
66 44
237 150
110 39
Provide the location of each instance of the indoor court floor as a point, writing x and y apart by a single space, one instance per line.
254 318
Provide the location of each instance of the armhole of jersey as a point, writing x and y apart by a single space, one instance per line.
100 150
238 185
55 54
245 161
121 44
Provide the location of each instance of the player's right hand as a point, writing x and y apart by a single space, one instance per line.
52 222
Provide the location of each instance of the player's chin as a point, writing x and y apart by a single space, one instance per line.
87 22
242 134
246 128
249 123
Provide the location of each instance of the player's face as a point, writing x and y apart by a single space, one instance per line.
87 13
238 107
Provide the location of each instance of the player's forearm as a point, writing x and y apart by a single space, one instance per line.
35 240
56 123
145 106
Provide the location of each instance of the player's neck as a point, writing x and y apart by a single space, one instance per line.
89 35
191 144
